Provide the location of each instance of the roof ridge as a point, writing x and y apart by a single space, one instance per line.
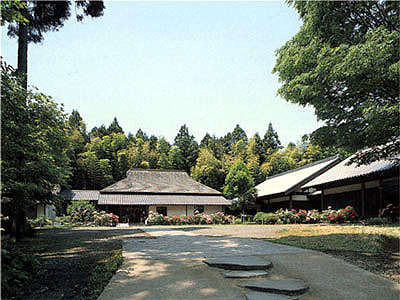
156 170
303 167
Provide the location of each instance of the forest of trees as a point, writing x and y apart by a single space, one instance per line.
103 155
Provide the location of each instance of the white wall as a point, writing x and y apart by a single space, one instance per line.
48 211
212 209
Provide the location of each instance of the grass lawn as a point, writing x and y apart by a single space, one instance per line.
73 263
374 248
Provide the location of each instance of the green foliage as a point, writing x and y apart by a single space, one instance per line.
265 218
238 182
196 219
18 267
44 16
271 142
104 219
208 170
188 149
101 275
11 12
81 211
34 142
344 62
40 222
293 216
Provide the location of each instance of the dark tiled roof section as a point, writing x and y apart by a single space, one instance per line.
157 199
149 181
342 171
84 195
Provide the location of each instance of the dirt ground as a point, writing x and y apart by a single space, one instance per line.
68 256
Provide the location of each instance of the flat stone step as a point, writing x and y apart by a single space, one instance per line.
239 263
282 286
268 296
245 274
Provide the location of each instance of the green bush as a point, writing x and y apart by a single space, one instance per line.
265 218
81 211
39 222
217 218
17 269
101 275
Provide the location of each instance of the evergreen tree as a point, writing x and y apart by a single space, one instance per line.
114 127
271 141
188 148
45 16
238 134
140 134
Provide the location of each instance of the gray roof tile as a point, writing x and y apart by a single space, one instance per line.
149 181
342 171
157 199
84 195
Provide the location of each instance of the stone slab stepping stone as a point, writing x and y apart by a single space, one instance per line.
282 286
268 296
244 274
239 263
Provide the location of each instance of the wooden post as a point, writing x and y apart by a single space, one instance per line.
322 199
363 200
120 211
380 195
290 201
186 210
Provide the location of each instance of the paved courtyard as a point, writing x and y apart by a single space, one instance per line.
170 266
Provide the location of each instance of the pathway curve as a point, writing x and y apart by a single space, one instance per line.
171 266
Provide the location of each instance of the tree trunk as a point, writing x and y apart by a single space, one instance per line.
22 67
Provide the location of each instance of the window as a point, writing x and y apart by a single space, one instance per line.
198 209
162 210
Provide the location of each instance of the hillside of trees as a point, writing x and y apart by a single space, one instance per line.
103 155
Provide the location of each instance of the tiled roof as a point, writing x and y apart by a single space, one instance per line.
292 180
149 181
84 195
157 199
342 171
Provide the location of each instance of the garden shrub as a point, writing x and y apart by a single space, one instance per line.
39 222
104 219
17 269
218 218
81 211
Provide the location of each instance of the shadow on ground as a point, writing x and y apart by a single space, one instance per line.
67 256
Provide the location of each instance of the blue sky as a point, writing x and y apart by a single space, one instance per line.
159 65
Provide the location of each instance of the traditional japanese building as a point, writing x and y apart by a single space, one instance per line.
171 193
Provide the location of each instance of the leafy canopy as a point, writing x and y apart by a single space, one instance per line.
345 63
34 139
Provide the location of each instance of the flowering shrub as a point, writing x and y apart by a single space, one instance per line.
81 211
104 219
292 216
341 215
39 222
218 218
265 218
